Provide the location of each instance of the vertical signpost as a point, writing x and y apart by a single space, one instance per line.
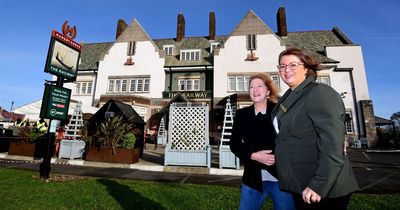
62 61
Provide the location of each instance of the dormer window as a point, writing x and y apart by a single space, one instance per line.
169 49
190 55
251 42
214 45
131 48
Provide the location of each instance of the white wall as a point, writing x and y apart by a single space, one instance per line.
352 57
231 59
147 62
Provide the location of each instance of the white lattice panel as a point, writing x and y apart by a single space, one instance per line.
189 127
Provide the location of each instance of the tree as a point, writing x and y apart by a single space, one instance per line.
396 118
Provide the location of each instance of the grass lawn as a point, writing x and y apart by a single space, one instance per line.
20 189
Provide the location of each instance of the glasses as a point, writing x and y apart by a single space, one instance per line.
292 66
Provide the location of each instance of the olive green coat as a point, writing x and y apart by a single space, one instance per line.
309 147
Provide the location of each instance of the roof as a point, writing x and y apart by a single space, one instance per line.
314 42
10 116
118 107
189 43
382 121
92 53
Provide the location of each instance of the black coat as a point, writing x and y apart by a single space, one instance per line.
250 134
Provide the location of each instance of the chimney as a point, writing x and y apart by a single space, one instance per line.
120 28
211 29
180 31
281 20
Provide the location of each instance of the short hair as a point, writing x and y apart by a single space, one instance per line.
308 61
273 90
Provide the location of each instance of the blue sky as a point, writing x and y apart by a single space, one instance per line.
26 26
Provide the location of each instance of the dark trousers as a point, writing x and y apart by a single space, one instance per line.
339 203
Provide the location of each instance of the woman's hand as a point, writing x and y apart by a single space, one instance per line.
264 157
309 196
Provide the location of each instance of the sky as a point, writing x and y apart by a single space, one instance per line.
26 27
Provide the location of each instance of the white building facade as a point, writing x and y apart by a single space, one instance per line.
149 74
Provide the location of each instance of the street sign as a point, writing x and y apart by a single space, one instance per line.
63 56
55 102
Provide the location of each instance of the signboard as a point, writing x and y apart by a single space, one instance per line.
188 94
63 56
55 102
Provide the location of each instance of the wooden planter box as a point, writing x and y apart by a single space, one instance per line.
128 156
21 148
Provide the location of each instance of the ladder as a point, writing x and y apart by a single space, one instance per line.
161 132
228 124
76 121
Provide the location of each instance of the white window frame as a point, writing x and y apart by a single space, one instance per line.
168 49
124 85
214 45
240 83
189 84
78 88
83 88
324 79
141 110
111 85
133 85
349 124
190 55
276 80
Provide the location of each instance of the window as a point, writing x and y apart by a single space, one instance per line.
196 84
324 79
214 45
251 42
182 84
117 85
275 80
169 49
238 83
190 55
137 85
349 123
78 88
146 87
133 85
83 88
131 48
124 85
111 85
141 111
189 84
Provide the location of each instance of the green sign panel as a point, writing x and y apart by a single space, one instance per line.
55 102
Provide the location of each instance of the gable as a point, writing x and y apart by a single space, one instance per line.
134 32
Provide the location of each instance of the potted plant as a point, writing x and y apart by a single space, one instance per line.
25 143
113 142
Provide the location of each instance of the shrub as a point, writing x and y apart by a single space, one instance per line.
128 140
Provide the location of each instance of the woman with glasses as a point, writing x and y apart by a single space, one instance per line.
309 120
253 141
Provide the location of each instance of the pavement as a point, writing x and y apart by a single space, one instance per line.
377 171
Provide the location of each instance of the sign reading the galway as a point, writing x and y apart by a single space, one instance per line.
188 94
55 102
63 56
